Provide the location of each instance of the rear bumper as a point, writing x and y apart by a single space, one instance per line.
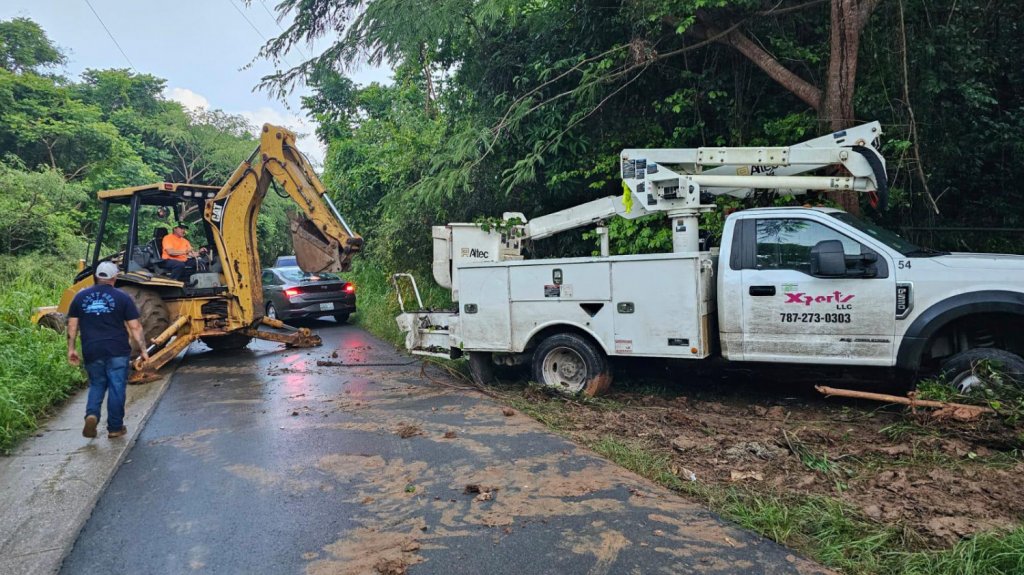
319 308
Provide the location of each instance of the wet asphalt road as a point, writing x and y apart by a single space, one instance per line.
260 461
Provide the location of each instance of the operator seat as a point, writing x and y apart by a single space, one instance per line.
154 252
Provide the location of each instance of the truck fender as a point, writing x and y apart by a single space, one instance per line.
933 319
558 327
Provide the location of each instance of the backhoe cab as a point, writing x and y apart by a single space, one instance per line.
220 299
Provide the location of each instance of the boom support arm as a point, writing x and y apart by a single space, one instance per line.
324 243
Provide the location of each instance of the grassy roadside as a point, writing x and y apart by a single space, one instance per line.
827 529
35 374
820 527
823 528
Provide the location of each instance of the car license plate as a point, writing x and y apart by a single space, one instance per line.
327 306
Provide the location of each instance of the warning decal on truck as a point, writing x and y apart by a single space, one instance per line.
623 346
552 291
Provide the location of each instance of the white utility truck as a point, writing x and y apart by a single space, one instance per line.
788 285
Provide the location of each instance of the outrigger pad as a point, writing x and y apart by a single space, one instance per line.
314 252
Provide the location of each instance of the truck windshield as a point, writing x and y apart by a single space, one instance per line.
885 236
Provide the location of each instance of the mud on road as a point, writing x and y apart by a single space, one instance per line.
351 459
938 482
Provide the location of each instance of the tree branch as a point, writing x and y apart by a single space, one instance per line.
807 92
788 9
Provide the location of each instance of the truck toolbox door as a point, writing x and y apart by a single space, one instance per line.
812 294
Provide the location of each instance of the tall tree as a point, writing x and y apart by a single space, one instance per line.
24 47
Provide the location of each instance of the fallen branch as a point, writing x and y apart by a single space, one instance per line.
912 402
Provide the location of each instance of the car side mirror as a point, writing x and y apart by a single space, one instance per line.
828 259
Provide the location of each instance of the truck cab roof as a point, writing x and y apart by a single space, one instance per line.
822 209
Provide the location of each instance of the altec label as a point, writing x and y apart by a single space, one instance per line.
808 299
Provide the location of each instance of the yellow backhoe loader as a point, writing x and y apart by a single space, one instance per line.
221 302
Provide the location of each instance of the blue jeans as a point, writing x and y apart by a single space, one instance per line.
176 267
108 376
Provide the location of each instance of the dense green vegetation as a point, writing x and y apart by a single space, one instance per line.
501 105
62 140
35 372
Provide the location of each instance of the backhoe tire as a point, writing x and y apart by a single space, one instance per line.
56 321
569 363
959 371
153 313
226 342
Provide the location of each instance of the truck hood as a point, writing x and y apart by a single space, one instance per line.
981 261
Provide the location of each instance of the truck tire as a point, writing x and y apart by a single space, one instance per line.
481 367
958 370
341 317
569 363
152 312
226 342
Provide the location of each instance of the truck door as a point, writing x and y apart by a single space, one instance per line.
812 294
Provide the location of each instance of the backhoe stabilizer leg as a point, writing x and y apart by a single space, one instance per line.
144 372
297 337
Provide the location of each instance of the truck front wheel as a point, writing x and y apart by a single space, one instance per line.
962 370
570 363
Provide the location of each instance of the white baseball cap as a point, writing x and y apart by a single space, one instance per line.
106 270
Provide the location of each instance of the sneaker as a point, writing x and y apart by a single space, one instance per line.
118 433
91 421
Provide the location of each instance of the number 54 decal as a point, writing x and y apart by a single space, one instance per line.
903 264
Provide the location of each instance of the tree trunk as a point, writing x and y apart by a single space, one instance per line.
848 18
834 104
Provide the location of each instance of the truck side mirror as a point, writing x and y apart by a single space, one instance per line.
828 259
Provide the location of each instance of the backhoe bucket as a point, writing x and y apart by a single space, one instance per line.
314 252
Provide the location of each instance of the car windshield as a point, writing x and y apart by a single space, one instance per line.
885 236
297 275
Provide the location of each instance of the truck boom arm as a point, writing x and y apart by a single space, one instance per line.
736 171
672 181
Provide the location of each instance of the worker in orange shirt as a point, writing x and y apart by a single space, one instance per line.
177 251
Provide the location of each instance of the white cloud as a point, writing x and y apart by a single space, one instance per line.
187 98
307 141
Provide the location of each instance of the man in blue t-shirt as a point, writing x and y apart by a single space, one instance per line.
102 312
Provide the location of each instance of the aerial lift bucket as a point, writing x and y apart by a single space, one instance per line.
314 252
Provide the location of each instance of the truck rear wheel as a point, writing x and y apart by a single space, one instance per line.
226 342
569 363
961 370
152 312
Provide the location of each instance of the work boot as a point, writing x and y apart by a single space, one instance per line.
91 421
118 433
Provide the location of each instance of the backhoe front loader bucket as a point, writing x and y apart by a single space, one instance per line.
314 252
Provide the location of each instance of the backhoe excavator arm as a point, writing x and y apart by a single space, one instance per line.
323 240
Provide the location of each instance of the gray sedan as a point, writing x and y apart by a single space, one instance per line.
289 292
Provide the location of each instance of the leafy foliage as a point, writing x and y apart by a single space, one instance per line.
529 103
36 373
61 141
